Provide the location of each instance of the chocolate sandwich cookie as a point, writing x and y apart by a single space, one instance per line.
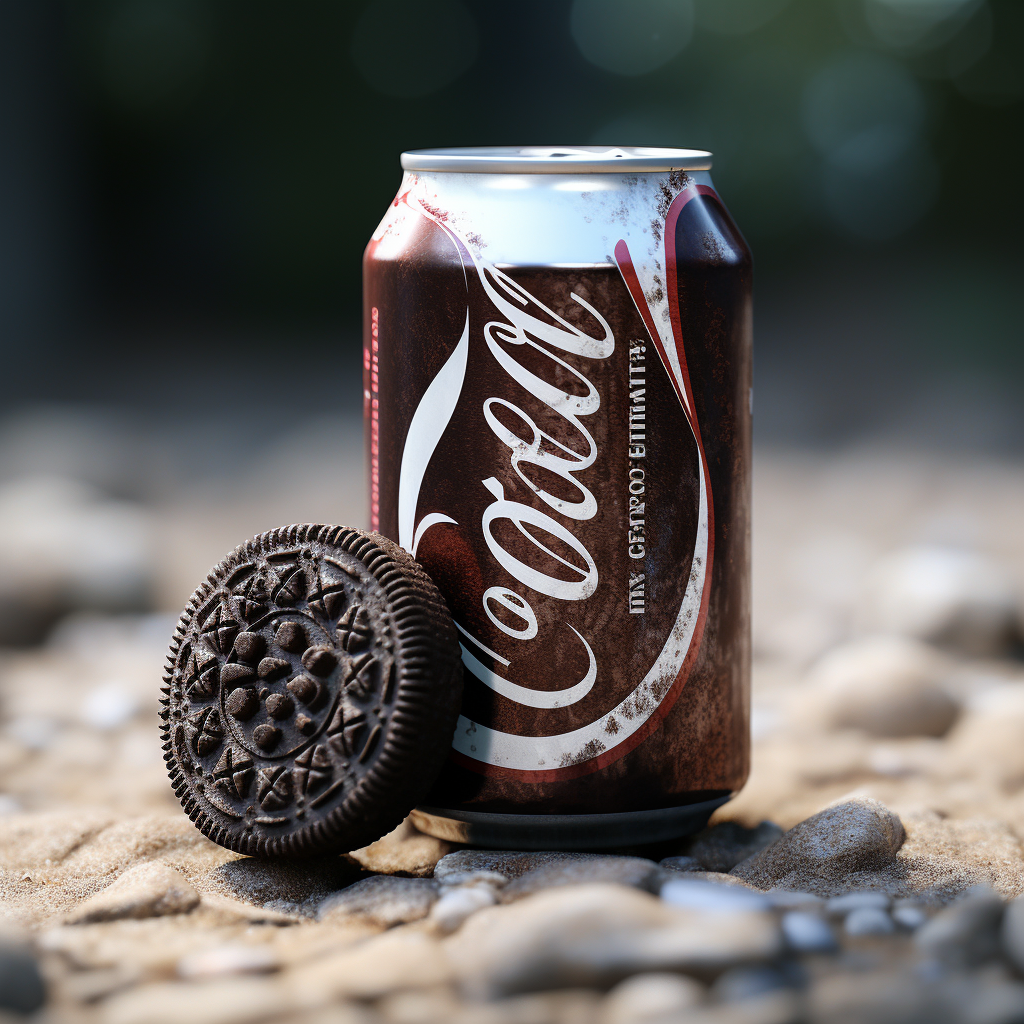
312 690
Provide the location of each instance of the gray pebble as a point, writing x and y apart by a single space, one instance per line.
1013 933
21 985
839 906
966 933
594 936
886 686
697 894
793 899
868 921
633 871
458 903
509 864
492 878
807 933
649 998
859 834
385 900
223 961
909 917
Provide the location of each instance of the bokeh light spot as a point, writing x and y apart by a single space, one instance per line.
410 50
865 116
736 17
863 110
631 37
918 24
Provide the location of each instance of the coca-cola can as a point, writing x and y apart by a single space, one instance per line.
557 372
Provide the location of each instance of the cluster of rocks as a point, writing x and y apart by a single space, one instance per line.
871 870
827 921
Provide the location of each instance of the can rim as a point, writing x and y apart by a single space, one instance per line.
556 159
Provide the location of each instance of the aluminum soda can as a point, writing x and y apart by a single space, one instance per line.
557 391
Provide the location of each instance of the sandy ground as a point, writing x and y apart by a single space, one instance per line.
887 667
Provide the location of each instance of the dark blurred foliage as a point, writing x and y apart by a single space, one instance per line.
196 180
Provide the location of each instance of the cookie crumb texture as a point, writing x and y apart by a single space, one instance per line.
312 689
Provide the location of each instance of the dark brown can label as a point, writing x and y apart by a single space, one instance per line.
537 441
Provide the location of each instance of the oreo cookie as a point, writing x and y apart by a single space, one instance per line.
311 693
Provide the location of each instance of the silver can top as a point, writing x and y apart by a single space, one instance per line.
556 160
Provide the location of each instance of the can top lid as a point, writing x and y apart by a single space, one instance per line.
556 160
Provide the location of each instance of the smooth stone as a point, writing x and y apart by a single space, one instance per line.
887 686
909 917
807 933
633 871
394 961
793 899
455 905
721 847
220 1001
405 851
850 901
697 894
384 900
224 961
22 989
717 877
509 864
150 889
651 997
593 936
951 596
1012 933
868 921
491 878
966 933
820 852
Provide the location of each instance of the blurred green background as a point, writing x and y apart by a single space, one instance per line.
186 188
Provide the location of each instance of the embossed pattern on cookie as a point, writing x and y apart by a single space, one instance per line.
311 692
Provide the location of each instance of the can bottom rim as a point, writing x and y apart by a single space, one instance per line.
564 831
